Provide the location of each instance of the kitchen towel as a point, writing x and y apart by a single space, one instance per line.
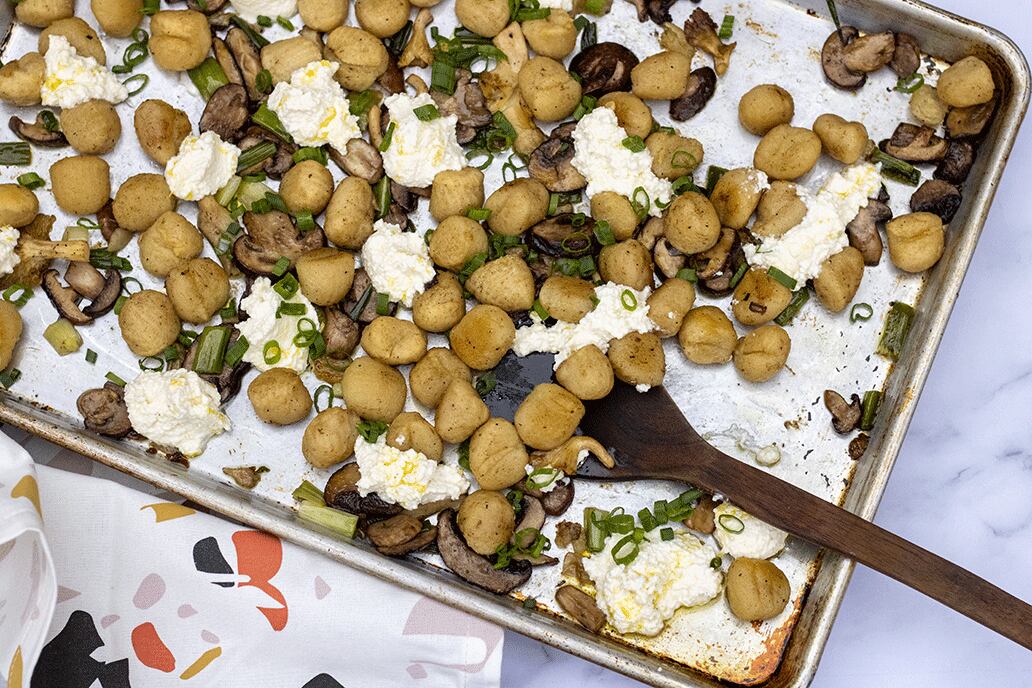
102 584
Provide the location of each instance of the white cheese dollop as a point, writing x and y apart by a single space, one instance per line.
203 165
71 79
801 251
9 257
557 4
263 326
419 150
641 596
608 165
398 263
314 108
252 9
407 477
176 408
620 311
742 535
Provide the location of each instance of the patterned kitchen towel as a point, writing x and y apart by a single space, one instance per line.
152 593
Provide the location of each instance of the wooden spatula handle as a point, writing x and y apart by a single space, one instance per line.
819 522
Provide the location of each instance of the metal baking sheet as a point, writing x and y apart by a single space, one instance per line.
778 42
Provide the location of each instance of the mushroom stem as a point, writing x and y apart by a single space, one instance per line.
417 84
417 53
67 250
564 457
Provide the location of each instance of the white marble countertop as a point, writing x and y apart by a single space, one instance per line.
962 486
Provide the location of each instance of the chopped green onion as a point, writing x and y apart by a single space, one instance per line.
595 529
359 103
731 523
276 202
485 383
281 266
530 603
897 326
739 274
640 202
588 30
530 11
103 259
716 562
187 337
114 378
285 23
799 299
781 278
684 159
666 534
10 376
49 120
726 27
263 81
586 105
134 54
256 38
478 214
211 350
263 21
143 80
648 521
361 303
659 510
396 43
18 294
442 77
31 181
471 266
383 304
261 206
17 153
382 195
626 550
628 300
688 275
596 7
310 153
869 408
119 302
236 352
229 311
713 175
320 392
151 363
387 136
464 460
603 232
894 168
307 492
340 522
426 113
861 312
540 478
909 84
834 16
256 154
291 309
270 121
208 77
304 221
683 185
370 430
634 144
271 352
150 7
226 193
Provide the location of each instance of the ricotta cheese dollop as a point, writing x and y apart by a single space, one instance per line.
71 78
557 4
9 257
639 597
203 165
620 311
742 535
266 324
600 155
398 263
406 477
800 252
176 408
252 9
418 150
314 108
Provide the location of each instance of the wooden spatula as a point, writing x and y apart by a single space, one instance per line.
650 438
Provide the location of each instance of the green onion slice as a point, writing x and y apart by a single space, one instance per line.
666 534
236 352
114 378
688 275
339 522
370 430
540 478
799 299
323 392
281 266
731 523
909 84
387 136
898 321
17 153
271 352
861 312
211 350
426 113
869 408
91 356
31 181
478 214
726 27
287 286
634 144
18 294
781 278
628 300
626 550
256 154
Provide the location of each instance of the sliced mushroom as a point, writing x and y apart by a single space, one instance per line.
220 21
37 133
863 230
869 53
417 84
702 84
361 300
430 508
567 532
246 477
226 112
559 499
938 197
85 279
573 568
394 531
393 79
421 541
906 58
652 232
833 60
539 560
559 237
417 52
970 122
276 166
103 302
532 517
668 260
117 237
717 266
361 159
466 103
472 567
213 220
225 59
702 516
604 68
659 10
228 380
551 163
844 416
701 32
65 300
957 163
29 271
206 6
29 248
270 237
340 332
914 143
858 445
104 411
247 59
581 606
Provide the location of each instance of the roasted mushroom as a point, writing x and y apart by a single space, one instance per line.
863 230
938 197
417 52
466 103
247 59
858 445
360 303
560 237
393 79
225 59
906 58
271 236
604 68
117 237
340 332
551 163
914 143
701 32
581 606
213 220
844 416
833 60
421 541
276 166
559 499
65 300
226 112
956 164
702 83
206 6
394 531
869 53
717 266
228 380
85 279
667 259
37 132
532 518
361 159
341 493
104 411
970 122
472 567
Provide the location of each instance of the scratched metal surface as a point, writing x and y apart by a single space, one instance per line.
778 42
